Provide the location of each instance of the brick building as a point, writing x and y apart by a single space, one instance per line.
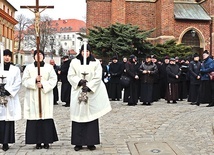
188 21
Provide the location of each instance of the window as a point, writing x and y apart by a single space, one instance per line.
67 36
73 43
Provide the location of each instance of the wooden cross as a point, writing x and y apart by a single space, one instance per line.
35 10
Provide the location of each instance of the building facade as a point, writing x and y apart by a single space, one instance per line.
63 39
188 21
7 24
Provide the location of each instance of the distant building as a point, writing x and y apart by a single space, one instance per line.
188 21
7 23
63 39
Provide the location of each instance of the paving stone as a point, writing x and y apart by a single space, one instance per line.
187 129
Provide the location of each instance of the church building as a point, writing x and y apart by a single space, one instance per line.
187 21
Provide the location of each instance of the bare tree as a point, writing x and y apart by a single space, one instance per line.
47 30
21 27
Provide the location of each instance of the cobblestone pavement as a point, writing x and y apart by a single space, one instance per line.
188 127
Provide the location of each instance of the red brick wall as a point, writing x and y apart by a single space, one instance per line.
118 10
146 15
141 14
98 13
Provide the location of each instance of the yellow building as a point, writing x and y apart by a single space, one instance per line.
7 24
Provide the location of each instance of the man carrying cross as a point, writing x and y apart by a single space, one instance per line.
39 78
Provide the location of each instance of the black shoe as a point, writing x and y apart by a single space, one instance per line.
131 104
38 146
148 103
5 147
210 105
168 101
144 103
174 102
91 147
46 146
198 104
66 105
77 147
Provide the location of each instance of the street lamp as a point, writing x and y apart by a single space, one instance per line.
193 33
52 43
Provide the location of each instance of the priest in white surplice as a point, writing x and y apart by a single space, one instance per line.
84 116
39 130
12 111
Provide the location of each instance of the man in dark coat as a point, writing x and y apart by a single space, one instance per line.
147 73
66 86
173 73
115 70
131 92
163 77
182 87
194 76
206 91
156 85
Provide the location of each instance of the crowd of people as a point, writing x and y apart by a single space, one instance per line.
41 94
87 88
173 79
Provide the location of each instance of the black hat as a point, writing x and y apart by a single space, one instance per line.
114 58
88 48
7 52
195 55
40 51
206 51
132 56
166 57
172 59
148 56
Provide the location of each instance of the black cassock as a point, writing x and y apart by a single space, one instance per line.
7 134
40 131
86 133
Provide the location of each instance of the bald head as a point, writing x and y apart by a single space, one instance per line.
52 62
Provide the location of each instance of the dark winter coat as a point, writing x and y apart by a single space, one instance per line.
148 78
172 70
194 71
115 70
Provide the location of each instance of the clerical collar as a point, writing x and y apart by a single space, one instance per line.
42 63
7 66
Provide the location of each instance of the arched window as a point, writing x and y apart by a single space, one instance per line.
191 38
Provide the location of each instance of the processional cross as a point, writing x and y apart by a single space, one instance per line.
35 10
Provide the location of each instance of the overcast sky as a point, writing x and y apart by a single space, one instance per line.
64 9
